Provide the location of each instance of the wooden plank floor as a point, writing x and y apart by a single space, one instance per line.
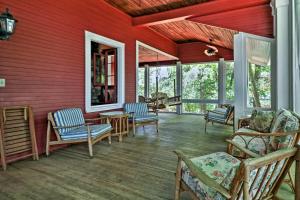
141 167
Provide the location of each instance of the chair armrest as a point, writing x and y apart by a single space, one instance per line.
101 119
202 176
96 119
74 126
175 97
216 112
259 134
154 111
243 149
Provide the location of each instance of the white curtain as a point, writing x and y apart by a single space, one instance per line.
258 51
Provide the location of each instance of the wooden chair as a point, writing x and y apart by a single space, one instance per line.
139 115
222 115
222 176
70 127
17 134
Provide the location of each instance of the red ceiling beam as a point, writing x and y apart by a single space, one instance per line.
256 20
208 8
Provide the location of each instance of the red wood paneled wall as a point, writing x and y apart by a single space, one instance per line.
194 52
43 62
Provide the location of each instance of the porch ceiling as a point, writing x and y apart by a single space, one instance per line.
200 20
186 31
148 55
136 8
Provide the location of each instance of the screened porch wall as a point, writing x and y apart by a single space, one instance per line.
43 62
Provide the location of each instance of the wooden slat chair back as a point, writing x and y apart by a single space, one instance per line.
140 115
222 115
254 178
17 134
70 127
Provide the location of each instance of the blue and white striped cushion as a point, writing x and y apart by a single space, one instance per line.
222 111
216 117
144 118
82 132
137 108
68 117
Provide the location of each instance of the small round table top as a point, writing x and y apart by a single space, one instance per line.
113 114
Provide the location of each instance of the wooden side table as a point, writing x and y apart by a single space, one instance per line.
119 123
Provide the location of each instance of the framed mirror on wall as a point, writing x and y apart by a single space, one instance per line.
104 73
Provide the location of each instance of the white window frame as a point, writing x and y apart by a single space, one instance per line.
89 37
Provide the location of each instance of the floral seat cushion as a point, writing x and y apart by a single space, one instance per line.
219 166
257 145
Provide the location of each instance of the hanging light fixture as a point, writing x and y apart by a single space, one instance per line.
7 25
212 50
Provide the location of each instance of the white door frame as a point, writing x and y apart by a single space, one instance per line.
139 43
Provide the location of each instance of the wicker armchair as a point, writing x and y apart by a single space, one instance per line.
284 133
222 176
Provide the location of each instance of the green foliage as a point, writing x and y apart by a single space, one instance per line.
259 86
199 81
166 77
229 80
141 82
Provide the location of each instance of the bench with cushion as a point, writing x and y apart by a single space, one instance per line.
139 115
223 115
70 127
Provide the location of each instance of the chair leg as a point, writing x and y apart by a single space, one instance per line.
90 147
177 180
109 139
90 142
48 139
2 155
205 126
133 128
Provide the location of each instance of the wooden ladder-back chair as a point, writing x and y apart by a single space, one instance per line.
17 134
222 176
70 127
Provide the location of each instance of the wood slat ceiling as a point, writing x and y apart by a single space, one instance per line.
136 8
148 55
187 31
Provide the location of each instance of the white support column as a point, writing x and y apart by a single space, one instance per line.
296 55
221 83
179 85
283 77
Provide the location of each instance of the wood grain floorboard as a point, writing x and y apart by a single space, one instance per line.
141 167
